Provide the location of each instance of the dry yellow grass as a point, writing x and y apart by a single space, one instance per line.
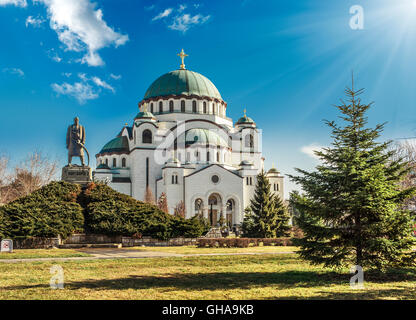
42 253
282 276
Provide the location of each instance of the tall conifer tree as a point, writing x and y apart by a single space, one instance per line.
266 217
352 210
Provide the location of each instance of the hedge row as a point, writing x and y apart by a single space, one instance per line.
242 242
61 208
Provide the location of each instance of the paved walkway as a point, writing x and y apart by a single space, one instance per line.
97 254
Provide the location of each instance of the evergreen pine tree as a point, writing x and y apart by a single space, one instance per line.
352 212
266 216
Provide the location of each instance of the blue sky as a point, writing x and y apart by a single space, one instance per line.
286 61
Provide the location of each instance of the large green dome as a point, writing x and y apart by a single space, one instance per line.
182 82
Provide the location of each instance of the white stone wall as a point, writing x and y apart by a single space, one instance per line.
199 185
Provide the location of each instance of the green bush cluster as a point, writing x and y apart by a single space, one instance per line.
112 213
62 208
47 212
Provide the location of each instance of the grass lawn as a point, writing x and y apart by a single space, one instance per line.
42 253
282 276
194 249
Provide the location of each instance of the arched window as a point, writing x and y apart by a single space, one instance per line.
205 107
183 106
134 134
214 110
208 157
106 162
198 206
123 163
194 106
151 107
170 106
160 107
218 157
147 136
174 178
249 141
114 162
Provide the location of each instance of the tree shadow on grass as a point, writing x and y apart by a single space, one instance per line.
244 280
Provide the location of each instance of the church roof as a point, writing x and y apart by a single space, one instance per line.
119 144
202 136
182 82
145 115
103 166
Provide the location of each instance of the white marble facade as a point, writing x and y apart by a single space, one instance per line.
182 143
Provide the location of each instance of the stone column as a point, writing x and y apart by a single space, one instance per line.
205 212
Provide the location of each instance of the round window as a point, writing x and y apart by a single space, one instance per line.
215 179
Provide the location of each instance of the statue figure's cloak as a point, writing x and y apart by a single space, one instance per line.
74 136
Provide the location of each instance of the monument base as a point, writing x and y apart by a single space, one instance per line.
77 174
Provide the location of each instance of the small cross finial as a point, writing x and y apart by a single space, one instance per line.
182 55
126 124
245 111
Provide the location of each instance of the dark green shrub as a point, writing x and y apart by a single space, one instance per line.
112 213
189 228
47 212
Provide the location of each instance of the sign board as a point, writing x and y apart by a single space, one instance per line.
7 245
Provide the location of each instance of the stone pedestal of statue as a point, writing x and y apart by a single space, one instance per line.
77 174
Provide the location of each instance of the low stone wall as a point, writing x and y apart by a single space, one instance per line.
82 238
149 242
37 243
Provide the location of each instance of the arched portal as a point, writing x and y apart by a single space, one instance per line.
214 208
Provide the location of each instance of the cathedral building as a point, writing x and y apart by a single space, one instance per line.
182 144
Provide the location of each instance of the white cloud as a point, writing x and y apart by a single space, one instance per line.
101 83
54 56
309 150
14 71
18 3
185 21
35 22
83 90
80 90
163 14
182 7
115 76
80 26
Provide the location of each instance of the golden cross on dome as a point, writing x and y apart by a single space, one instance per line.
245 111
182 55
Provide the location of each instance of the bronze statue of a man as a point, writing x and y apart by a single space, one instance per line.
75 140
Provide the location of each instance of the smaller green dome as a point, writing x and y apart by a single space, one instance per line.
245 120
103 166
203 136
117 145
145 115
273 170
